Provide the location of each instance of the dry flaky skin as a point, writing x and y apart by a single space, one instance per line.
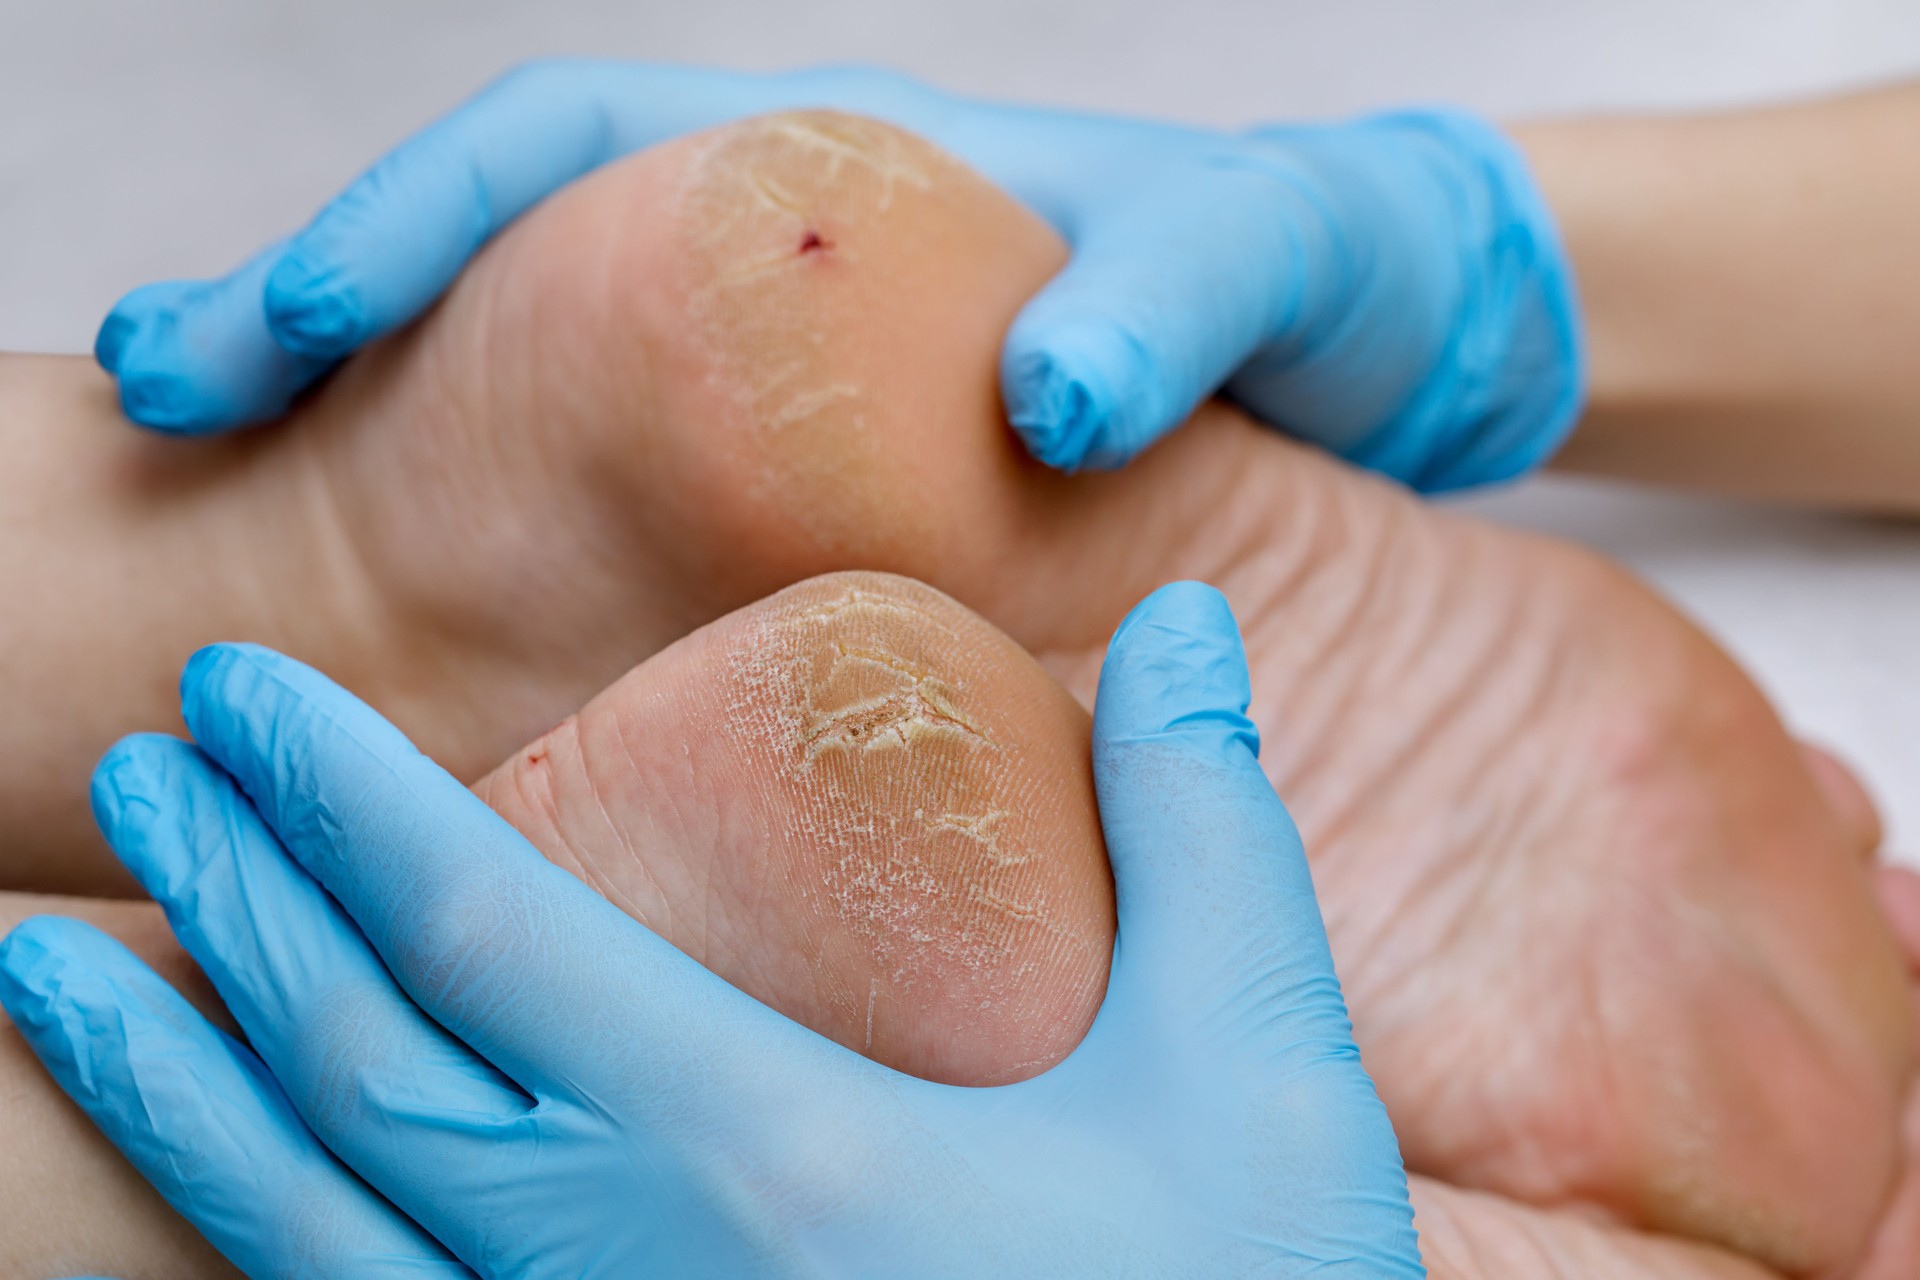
855 785
1603 940
879 819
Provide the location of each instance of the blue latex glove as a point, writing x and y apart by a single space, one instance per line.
1393 289
533 1084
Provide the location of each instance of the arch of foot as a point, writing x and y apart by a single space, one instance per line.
795 277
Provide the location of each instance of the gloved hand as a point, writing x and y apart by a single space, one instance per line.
533 1085
1393 289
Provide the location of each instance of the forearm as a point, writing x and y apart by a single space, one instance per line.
1750 284
120 553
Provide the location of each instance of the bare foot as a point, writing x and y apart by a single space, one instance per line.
1470 1235
879 819
1605 940
858 801
861 803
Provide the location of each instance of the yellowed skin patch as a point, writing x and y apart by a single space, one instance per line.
767 206
826 386
776 215
912 702
922 766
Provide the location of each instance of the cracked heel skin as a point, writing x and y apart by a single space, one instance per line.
859 802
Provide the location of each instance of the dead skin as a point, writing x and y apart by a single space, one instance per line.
909 784
975 366
836 456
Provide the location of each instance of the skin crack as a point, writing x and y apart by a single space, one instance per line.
896 717
980 828
775 195
846 145
866 602
806 404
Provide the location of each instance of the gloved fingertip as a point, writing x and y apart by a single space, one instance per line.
1057 413
228 685
139 344
311 311
110 344
63 984
140 778
206 671
34 962
122 781
143 320
1176 667
204 680
1186 605
162 402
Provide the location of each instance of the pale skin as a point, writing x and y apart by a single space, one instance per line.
840 735
1406 663
1793 382
1750 283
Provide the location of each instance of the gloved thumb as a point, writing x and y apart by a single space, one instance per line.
195 356
1219 929
1164 298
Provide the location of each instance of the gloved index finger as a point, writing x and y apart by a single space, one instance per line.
197 1114
195 356
540 975
389 245
471 920
1170 289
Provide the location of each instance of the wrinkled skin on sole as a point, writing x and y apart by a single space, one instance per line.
1606 941
965 955
799 796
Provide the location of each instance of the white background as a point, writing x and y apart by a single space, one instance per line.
151 138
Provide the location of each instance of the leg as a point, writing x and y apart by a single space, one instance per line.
804 797
1620 805
768 352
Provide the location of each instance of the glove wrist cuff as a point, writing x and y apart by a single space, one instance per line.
1519 372
1447 207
